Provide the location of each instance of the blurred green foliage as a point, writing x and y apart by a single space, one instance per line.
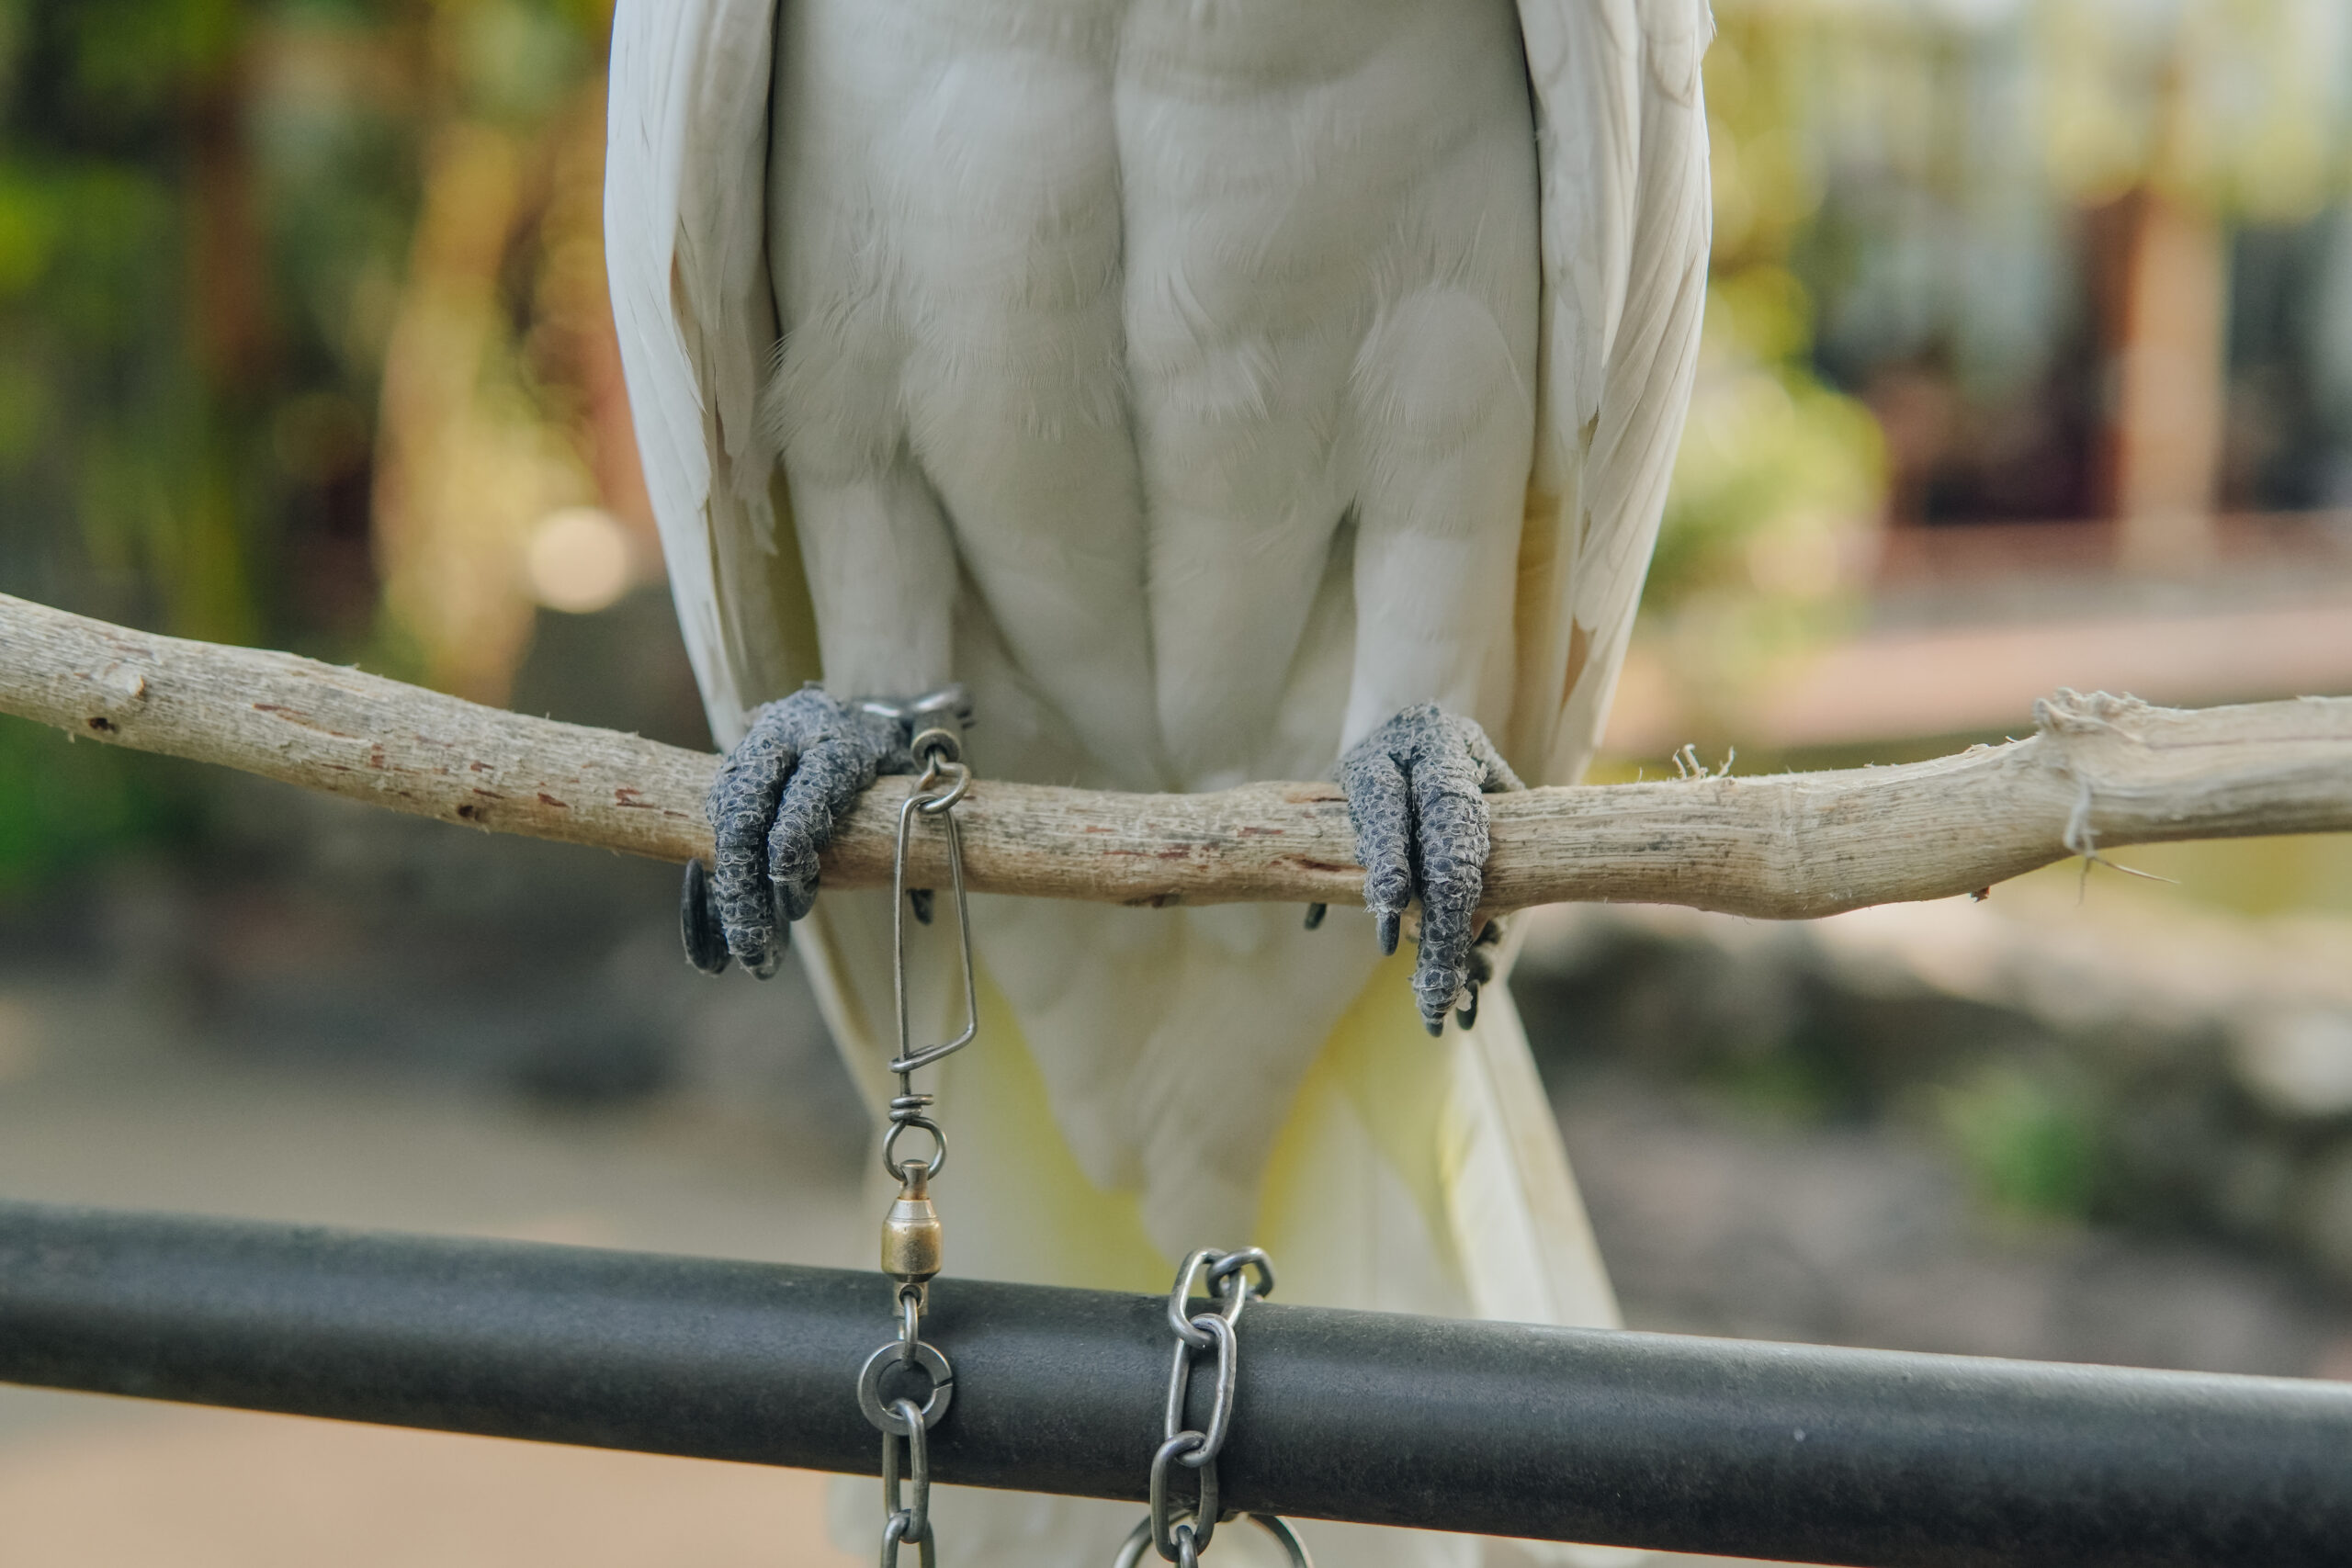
1778 482
119 437
206 212
2028 1139
66 805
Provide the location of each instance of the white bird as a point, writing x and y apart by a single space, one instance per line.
1219 389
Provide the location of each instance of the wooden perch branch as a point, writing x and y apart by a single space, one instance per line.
2099 773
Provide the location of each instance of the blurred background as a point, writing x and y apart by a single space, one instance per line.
2027 363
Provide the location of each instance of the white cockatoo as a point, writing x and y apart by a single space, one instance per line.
1219 391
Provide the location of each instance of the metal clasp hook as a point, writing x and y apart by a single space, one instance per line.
927 799
934 722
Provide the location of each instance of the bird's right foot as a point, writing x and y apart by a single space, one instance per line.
1416 789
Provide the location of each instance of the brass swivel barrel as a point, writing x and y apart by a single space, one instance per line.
912 1243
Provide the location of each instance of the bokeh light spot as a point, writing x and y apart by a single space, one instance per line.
579 561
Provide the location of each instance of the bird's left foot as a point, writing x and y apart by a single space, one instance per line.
804 761
1415 791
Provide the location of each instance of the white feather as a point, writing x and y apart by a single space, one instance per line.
684 168
1622 145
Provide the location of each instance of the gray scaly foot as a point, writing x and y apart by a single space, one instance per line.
1415 791
803 762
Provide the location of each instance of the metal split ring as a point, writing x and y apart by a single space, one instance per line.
1131 1551
869 1387
1275 1526
940 767
891 1146
934 743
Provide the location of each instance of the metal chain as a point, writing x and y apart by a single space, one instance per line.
1181 1531
911 1235
903 1521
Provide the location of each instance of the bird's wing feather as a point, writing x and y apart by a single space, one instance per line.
1622 162
685 211
685 241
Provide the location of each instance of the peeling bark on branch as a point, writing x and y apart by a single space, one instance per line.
2100 772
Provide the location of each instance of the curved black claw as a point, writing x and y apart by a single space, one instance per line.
1481 961
803 761
1415 791
919 904
698 923
1315 913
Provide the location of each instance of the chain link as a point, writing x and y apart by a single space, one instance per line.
1180 1531
909 1325
1176 1530
1138 1542
1180 1383
907 1522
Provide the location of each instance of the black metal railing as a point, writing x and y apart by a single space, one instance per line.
1699 1445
